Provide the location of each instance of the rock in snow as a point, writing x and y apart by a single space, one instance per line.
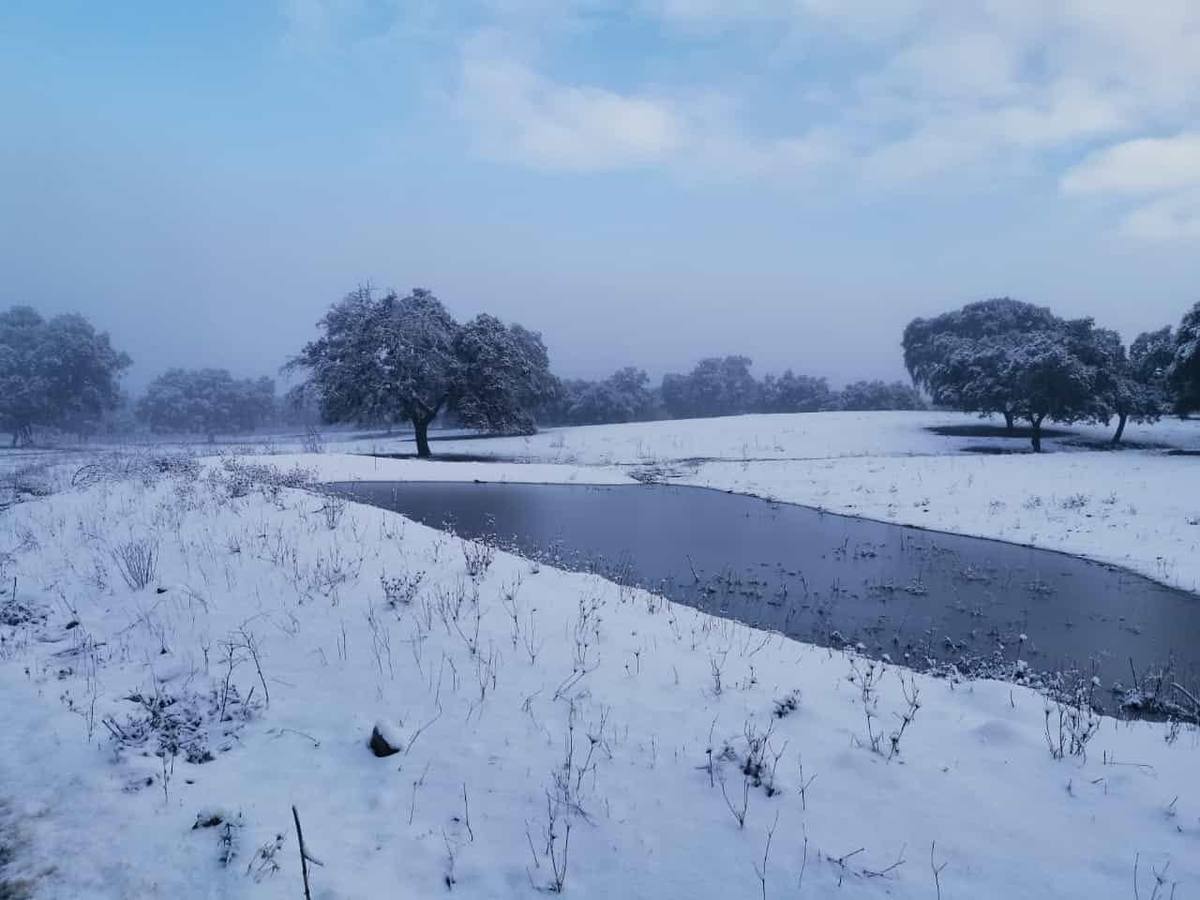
385 740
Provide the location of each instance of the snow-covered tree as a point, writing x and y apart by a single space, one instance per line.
942 353
503 372
717 386
790 392
1052 380
386 358
206 401
624 396
1183 374
57 372
878 395
1133 385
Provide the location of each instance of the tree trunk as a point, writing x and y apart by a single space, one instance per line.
1008 421
1036 436
421 429
1122 418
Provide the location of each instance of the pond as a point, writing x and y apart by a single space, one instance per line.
921 598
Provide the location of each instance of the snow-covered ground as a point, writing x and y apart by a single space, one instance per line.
782 436
548 724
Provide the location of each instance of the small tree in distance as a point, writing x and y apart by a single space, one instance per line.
207 402
879 395
717 386
795 393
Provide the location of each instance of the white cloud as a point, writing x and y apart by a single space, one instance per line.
914 89
1175 217
1170 218
1143 166
1161 174
526 118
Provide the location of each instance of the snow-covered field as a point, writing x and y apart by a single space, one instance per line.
548 724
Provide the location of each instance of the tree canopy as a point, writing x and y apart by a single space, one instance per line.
795 393
57 372
386 358
1183 372
717 386
1020 360
876 395
206 401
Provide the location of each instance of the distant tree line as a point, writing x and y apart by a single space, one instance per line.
382 358
1021 361
716 386
207 402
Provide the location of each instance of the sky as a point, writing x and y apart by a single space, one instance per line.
645 182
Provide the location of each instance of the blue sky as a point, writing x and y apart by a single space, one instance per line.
644 182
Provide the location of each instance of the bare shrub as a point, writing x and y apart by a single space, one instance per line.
241 478
313 441
1069 727
867 681
264 864
756 758
137 561
479 556
333 510
401 590
912 698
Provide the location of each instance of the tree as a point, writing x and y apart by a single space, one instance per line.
879 395
206 401
795 393
59 372
503 373
1183 373
389 358
717 386
1132 385
1022 361
1051 380
622 397
941 353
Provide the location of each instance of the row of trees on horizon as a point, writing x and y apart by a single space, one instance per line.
716 386
382 359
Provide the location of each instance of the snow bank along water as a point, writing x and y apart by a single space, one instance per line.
921 598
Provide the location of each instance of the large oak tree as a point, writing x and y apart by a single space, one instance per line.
386 358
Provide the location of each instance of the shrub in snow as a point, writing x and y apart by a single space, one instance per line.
401 590
479 556
181 724
240 478
137 561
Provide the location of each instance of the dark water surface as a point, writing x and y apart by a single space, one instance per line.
922 598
